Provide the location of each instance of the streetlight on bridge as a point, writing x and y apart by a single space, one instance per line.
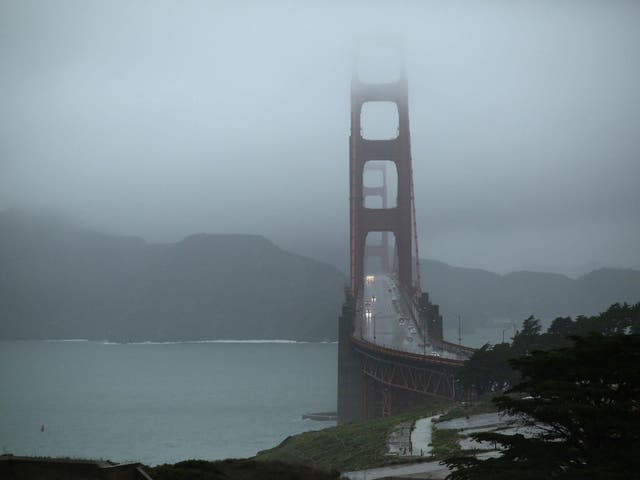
424 337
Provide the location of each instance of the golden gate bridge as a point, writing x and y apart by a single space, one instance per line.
392 355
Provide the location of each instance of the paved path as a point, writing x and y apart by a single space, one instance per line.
432 469
421 436
423 470
482 422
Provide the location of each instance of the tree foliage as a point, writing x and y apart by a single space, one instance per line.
489 371
585 399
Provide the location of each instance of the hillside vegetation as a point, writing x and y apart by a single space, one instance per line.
490 369
242 469
347 447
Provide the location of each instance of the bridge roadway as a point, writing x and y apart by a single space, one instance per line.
387 320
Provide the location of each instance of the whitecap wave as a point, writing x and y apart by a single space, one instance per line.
67 340
277 340
179 342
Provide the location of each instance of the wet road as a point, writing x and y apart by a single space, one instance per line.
387 320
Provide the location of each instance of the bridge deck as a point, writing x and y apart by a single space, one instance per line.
385 319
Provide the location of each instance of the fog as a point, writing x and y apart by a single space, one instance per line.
161 119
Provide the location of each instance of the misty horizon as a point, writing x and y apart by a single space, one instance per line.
167 121
332 254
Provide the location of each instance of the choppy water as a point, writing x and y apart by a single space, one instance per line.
159 403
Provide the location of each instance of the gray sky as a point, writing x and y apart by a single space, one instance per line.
162 119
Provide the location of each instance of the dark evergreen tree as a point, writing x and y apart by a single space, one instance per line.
488 371
586 400
562 326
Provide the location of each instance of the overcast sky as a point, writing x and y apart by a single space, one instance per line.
166 118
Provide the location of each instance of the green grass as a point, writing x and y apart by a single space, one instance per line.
346 447
466 409
445 443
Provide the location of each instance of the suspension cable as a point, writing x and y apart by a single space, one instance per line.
418 285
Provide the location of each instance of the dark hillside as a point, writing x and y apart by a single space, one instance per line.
482 297
61 281
235 286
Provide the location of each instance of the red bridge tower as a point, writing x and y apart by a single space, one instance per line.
398 219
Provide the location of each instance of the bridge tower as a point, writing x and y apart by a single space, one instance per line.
380 379
381 250
397 220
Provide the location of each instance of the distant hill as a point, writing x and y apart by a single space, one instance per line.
61 281
482 297
58 280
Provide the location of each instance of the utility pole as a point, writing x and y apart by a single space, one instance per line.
504 330
424 337
374 328
459 330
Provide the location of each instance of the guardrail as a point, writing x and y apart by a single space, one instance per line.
414 357
454 347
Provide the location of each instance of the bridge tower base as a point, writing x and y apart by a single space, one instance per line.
350 384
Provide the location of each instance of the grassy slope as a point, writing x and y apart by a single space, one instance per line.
346 447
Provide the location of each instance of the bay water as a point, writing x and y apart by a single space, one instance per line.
160 403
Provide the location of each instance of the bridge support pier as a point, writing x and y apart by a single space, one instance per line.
376 399
350 381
